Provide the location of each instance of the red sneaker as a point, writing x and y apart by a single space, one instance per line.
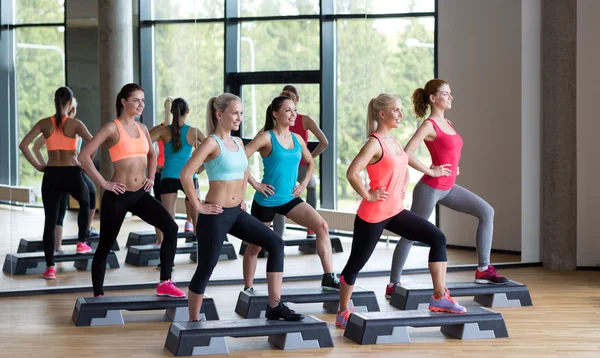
389 289
489 276
83 248
50 273
168 288
310 234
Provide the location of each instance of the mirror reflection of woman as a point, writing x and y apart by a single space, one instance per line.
134 163
61 174
64 201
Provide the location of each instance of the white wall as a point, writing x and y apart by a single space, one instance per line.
588 132
482 58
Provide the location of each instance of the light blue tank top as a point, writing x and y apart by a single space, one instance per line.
228 165
281 171
175 161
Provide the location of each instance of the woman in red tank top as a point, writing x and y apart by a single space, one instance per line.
382 207
438 184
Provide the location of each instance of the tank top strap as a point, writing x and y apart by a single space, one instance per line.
435 127
382 144
219 141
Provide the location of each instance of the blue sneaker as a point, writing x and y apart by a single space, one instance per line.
445 304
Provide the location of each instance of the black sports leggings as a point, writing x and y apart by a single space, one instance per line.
64 201
59 181
405 224
212 230
113 210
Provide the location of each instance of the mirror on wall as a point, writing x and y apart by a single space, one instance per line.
189 61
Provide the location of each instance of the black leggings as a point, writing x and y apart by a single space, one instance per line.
57 182
406 224
64 201
113 210
212 230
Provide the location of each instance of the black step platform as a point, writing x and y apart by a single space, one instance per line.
416 296
105 311
252 304
391 327
35 245
147 255
306 246
137 238
200 338
34 262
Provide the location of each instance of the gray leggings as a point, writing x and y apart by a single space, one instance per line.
311 199
459 199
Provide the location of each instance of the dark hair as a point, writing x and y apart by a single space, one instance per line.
61 96
294 90
275 106
420 97
290 94
125 93
178 108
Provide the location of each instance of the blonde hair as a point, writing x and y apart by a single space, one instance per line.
219 103
377 104
168 115
73 107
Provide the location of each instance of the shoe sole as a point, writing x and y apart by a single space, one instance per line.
169 295
327 288
49 278
438 309
339 325
388 296
84 252
482 281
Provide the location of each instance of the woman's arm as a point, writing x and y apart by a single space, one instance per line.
24 146
85 158
425 130
85 135
259 142
37 150
310 167
149 182
369 153
198 157
311 125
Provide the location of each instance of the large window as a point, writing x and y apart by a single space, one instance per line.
39 69
187 9
375 56
253 8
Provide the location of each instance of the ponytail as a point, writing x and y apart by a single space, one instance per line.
275 106
179 108
219 103
61 97
377 104
168 116
420 102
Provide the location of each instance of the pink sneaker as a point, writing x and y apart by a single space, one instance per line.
168 288
83 248
189 227
490 276
389 289
50 273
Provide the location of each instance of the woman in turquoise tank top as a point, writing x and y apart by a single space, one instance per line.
179 141
278 193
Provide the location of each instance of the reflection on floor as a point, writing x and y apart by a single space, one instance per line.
17 223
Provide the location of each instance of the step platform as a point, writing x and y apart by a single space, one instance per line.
416 296
106 311
392 327
208 337
35 245
148 255
252 304
305 246
34 262
137 238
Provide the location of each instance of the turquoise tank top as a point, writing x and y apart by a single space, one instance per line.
174 162
228 165
280 171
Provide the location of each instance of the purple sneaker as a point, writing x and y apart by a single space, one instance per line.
445 304
341 319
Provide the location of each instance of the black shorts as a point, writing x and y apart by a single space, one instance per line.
172 185
266 213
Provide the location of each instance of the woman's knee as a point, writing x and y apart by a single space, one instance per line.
252 250
321 229
437 251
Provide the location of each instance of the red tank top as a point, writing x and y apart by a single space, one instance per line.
444 149
298 128
389 173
